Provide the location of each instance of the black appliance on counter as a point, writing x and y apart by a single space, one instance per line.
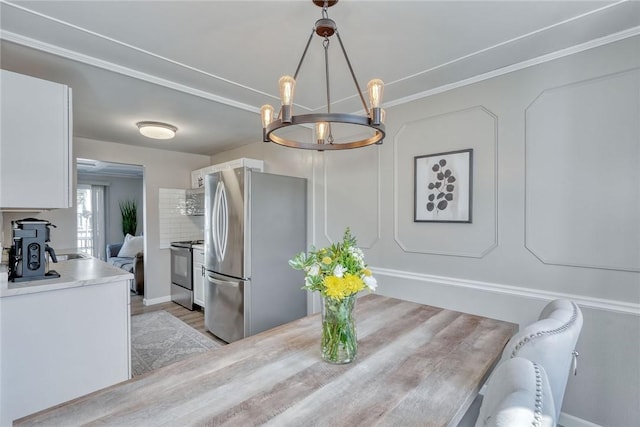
182 272
29 248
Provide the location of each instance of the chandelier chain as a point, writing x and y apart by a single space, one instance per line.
325 44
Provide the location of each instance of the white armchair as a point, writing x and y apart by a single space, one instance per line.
550 342
518 394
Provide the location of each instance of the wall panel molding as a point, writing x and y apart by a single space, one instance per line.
473 127
575 209
357 177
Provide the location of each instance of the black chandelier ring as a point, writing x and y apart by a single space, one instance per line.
350 119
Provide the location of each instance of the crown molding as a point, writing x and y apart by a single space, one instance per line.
612 38
129 72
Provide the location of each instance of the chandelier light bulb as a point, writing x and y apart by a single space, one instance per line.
287 86
322 129
375 88
267 112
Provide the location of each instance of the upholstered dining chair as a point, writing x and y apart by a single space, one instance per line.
518 394
550 342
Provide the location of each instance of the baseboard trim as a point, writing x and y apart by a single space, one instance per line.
566 420
153 301
583 301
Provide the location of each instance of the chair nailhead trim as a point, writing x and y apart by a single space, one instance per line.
539 334
537 416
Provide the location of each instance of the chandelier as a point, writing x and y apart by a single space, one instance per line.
324 137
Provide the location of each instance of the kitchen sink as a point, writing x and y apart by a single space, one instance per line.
72 256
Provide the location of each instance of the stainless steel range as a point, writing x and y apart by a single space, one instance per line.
182 272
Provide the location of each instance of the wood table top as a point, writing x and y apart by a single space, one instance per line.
416 365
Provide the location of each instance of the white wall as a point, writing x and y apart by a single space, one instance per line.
556 197
161 169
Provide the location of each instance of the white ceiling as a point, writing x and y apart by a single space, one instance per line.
207 66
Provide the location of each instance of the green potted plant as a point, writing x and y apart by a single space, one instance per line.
129 211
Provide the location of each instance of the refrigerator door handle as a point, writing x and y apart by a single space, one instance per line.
220 282
214 221
218 222
224 221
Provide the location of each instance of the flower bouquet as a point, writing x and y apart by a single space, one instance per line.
338 273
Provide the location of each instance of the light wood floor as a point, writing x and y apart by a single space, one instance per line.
194 318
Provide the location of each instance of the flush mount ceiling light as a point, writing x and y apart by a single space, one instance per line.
325 123
157 130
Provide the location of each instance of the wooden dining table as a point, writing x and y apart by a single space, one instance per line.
417 365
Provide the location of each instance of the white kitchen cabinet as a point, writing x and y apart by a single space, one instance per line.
61 344
36 166
198 276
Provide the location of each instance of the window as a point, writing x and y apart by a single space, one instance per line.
91 219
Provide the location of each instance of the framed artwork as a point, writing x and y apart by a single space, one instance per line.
442 187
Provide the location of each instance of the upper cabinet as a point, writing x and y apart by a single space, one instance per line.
36 167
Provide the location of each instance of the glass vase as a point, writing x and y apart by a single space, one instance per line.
339 341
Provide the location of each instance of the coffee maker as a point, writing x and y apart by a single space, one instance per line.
28 252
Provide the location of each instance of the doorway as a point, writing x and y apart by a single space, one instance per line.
102 189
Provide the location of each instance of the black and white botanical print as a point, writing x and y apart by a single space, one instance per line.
442 187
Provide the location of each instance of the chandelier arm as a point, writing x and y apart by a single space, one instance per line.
304 53
353 75
325 44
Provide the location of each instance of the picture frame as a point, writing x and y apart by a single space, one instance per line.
443 187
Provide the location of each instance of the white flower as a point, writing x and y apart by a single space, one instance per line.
339 271
314 270
371 282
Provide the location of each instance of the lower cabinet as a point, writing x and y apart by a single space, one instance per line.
198 276
62 344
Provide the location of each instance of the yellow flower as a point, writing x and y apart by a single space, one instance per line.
326 260
341 287
367 272
353 284
334 288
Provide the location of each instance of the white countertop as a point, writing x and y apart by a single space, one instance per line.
73 273
201 247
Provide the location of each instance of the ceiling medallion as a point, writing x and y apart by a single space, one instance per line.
324 122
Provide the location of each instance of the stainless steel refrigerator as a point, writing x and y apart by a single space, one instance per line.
254 223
